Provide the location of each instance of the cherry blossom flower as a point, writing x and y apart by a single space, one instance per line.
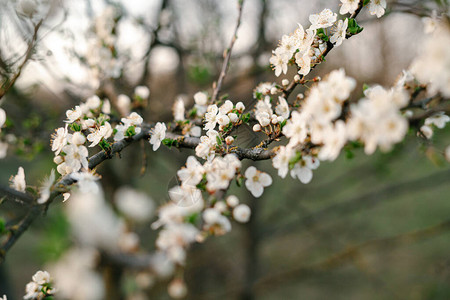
76 157
87 182
142 92
215 222
430 67
192 174
303 169
103 132
377 7
158 134
2 118
44 191
282 109
279 61
123 104
439 120
135 205
41 277
17 182
232 201
349 6
74 114
177 289
256 181
59 139
77 138
178 110
324 19
175 238
339 35
242 213
281 160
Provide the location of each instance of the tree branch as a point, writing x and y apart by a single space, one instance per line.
227 55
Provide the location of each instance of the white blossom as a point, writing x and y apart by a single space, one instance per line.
87 182
59 139
281 160
178 110
100 133
177 289
377 7
142 92
349 6
76 157
339 35
324 19
123 104
136 205
17 182
192 174
158 134
439 120
282 109
256 181
2 118
232 201
74 114
44 190
242 213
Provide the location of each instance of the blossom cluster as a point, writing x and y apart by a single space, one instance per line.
40 287
306 47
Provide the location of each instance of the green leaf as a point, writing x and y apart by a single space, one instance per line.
366 2
245 118
321 35
2 226
75 127
353 27
192 218
105 145
295 159
130 131
219 141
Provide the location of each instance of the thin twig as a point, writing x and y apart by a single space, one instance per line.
10 83
227 55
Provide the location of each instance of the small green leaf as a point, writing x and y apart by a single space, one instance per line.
75 127
245 118
130 131
2 226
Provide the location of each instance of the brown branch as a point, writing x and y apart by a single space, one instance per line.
10 82
227 55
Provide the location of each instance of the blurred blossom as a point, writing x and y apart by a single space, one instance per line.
135 205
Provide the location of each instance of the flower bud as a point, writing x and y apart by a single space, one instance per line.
58 159
78 138
229 140
256 128
242 213
285 82
233 117
240 106
273 90
177 289
232 201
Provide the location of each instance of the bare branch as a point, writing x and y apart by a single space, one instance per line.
9 83
227 55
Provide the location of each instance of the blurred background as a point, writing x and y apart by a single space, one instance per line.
372 227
